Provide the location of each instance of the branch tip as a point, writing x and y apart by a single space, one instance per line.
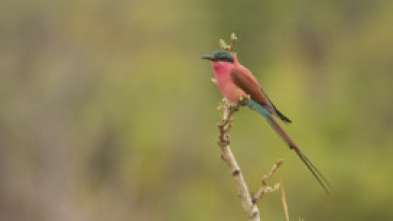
223 45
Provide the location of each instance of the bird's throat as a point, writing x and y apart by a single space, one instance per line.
222 67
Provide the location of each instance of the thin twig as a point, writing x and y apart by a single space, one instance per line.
233 41
284 202
263 189
223 45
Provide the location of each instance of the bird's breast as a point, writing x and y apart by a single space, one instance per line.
230 91
222 72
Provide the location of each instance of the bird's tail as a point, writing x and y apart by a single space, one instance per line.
318 175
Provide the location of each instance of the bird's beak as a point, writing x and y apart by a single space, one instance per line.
208 57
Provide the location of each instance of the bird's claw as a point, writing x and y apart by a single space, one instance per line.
234 108
243 101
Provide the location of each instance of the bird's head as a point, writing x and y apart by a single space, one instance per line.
220 56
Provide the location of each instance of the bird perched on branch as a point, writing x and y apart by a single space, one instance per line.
237 84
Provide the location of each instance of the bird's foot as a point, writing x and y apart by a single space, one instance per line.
234 107
243 101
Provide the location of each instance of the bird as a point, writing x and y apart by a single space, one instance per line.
236 82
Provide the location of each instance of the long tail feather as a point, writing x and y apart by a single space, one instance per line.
315 172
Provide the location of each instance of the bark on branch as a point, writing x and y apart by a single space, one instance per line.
227 156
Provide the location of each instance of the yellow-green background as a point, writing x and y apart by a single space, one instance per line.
107 111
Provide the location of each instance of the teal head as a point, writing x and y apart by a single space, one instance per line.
219 56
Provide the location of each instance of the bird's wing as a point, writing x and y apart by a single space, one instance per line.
248 84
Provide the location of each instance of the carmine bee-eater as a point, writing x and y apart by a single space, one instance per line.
236 82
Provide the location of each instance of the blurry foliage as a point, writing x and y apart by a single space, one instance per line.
107 112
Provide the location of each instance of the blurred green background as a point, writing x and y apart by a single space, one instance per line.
107 111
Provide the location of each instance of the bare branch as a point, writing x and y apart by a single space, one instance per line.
227 156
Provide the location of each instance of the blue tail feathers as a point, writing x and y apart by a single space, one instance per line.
259 108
